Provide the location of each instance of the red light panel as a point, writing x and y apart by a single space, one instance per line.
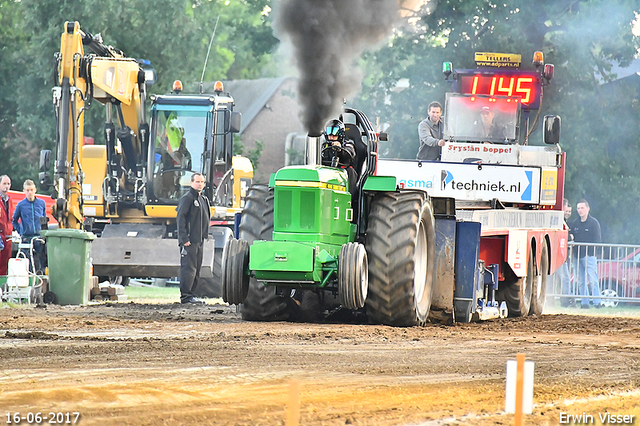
525 85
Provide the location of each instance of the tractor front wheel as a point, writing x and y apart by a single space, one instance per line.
353 278
235 277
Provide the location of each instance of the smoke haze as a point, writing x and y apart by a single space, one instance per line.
328 36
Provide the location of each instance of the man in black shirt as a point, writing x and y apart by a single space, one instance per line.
193 220
586 229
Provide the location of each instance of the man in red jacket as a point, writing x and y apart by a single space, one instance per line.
6 227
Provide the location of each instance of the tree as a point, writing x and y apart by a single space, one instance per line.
252 154
12 146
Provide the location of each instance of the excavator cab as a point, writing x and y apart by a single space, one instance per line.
178 134
189 134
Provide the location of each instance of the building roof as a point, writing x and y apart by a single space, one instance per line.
633 70
250 95
627 79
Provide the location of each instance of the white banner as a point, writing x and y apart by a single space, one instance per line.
457 152
469 182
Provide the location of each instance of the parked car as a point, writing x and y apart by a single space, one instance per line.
618 269
620 274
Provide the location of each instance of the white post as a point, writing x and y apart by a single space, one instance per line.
519 387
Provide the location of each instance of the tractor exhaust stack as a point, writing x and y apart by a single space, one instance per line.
313 154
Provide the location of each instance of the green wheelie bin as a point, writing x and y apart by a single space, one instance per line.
69 259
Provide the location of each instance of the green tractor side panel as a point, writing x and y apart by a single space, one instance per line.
381 183
281 256
312 204
293 261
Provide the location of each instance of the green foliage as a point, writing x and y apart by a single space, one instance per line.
9 37
16 150
253 154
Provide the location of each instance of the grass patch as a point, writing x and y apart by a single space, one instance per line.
12 305
147 294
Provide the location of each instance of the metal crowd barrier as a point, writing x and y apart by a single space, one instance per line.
617 267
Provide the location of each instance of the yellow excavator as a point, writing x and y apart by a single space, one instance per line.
127 189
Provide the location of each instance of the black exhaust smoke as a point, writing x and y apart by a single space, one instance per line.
328 37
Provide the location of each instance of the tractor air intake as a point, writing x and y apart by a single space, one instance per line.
314 153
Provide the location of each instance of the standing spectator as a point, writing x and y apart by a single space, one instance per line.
586 229
6 227
565 277
26 221
193 218
430 131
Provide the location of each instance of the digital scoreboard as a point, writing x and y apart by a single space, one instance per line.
523 84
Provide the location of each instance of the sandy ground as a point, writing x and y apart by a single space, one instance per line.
164 364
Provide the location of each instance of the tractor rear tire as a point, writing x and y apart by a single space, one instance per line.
353 281
539 290
402 258
517 292
235 277
262 303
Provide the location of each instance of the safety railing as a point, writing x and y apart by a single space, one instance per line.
597 274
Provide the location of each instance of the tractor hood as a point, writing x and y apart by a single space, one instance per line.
311 176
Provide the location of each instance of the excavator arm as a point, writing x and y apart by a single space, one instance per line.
117 82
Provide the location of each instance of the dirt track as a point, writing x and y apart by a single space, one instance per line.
137 364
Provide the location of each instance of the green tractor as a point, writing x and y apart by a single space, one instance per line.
307 246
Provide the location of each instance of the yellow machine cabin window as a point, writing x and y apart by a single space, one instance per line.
178 147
